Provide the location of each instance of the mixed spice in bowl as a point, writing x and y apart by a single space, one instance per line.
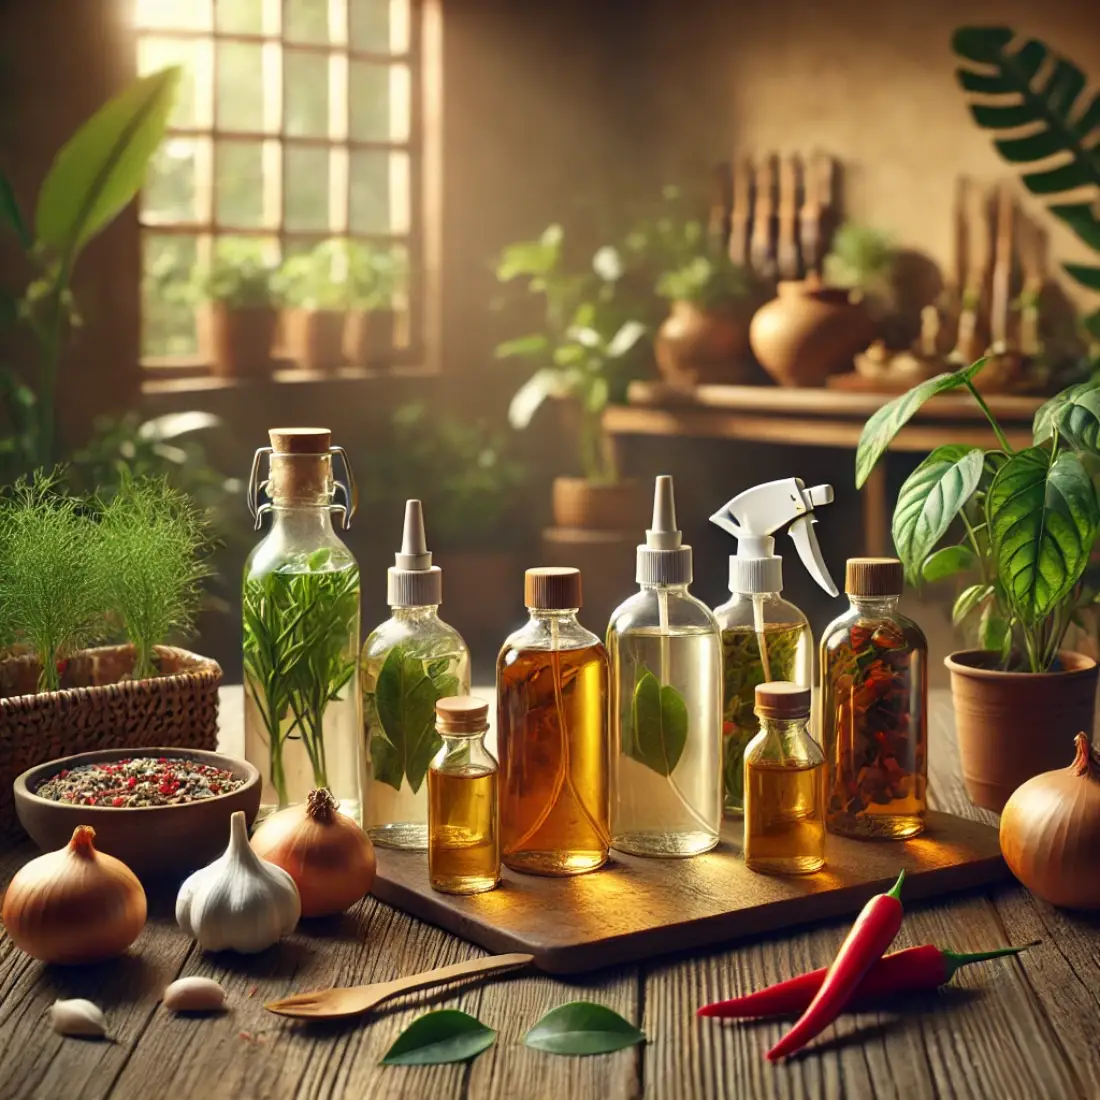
164 812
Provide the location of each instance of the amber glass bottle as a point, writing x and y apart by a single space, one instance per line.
552 734
874 716
463 825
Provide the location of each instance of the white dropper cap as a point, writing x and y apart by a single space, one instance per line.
663 559
413 581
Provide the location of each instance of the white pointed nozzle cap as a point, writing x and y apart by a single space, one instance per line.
414 553
413 581
663 535
664 559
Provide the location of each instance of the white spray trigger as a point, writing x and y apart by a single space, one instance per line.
809 550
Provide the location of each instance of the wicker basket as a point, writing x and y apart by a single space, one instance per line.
97 708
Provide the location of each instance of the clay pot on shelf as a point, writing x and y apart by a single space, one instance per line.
1015 725
369 336
237 341
314 338
697 346
808 332
580 503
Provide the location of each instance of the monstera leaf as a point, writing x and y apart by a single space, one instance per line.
1024 84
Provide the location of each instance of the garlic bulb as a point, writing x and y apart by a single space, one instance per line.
78 1017
194 994
239 902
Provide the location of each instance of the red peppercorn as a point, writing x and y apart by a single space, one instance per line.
131 782
118 801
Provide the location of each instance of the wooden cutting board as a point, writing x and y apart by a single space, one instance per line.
636 908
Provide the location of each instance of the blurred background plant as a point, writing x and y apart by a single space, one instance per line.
240 275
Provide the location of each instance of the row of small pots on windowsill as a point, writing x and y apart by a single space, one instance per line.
240 341
806 333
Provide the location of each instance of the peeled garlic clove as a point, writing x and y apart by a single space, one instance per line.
77 1017
194 995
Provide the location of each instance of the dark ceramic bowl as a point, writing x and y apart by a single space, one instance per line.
157 843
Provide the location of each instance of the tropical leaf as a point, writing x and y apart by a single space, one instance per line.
1079 420
1048 415
102 166
930 500
883 425
1043 521
968 599
949 561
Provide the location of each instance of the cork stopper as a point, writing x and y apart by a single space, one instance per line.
461 714
301 465
782 699
300 441
552 588
874 577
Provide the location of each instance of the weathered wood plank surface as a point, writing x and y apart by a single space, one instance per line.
1024 1029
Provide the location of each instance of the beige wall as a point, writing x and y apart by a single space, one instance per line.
869 81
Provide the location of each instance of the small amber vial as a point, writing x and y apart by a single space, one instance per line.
463 821
784 785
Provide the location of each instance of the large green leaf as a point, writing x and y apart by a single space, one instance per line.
404 698
658 725
949 561
435 1038
1043 520
102 166
930 500
883 425
1079 420
1048 415
581 1027
1027 85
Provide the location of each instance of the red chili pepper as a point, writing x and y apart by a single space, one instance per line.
874 931
909 971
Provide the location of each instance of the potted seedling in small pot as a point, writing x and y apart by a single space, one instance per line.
1019 525
377 280
315 288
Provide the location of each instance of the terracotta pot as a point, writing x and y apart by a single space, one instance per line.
237 341
1014 725
697 346
481 593
809 332
314 338
369 336
580 503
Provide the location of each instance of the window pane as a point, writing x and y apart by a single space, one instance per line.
379 102
306 188
240 16
379 26
170 188
177 14
196 59
379 185
168 314
306 76
240 97
306 21
239 186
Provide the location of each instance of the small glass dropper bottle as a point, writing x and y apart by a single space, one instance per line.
463 823
784 785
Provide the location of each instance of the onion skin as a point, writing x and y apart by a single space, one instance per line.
75 905
329 857
1050 832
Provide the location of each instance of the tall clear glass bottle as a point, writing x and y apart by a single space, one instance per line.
300 604
874 714
408 663
552 737
665 651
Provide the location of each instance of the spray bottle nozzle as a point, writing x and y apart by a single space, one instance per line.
820 494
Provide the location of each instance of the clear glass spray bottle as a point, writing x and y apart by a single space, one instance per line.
665 649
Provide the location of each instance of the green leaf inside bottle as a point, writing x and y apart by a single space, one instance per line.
659 724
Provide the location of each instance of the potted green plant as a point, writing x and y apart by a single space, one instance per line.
316 290
1020 526
75 571
583 357
378 278
238 322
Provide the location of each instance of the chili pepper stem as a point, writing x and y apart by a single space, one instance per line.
953 960
895 890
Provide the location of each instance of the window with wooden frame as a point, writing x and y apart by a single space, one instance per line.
298 121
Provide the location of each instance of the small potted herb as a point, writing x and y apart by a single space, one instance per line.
378 278
238 324
1019 526
317 290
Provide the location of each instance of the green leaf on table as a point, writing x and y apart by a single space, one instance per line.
949 561
581 1027
968 599
1043 521
883 425
658 721
440 1037
931 498
11 215
103 165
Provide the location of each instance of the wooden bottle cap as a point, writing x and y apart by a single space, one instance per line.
874 577
782 699
552 588
462 714
300 441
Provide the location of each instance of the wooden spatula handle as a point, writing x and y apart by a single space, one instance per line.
467 969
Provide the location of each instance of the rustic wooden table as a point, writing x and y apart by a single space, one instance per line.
1027 1029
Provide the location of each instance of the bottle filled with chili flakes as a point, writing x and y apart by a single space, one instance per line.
874 718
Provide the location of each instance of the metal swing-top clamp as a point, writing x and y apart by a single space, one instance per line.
298 478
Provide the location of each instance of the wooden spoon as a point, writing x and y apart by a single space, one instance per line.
331 1004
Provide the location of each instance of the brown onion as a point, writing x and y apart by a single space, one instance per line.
329 857
75 905
1050 832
